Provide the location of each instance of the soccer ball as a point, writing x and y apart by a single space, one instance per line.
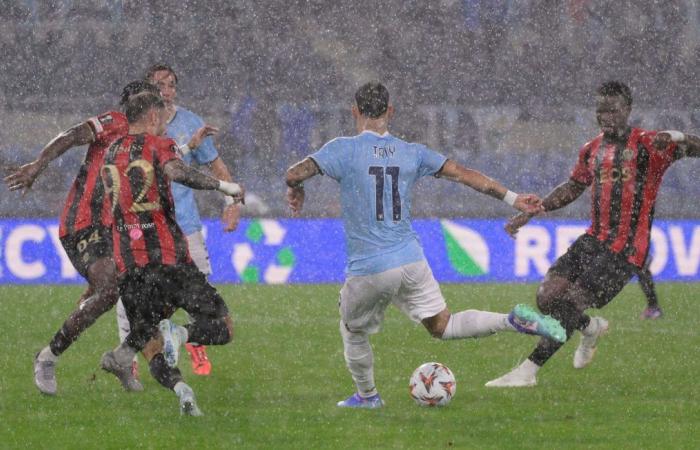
432 384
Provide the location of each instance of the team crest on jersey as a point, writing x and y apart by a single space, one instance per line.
627 154
106 119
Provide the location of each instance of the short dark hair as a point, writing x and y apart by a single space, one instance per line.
157 68
136 87
614 88
372 99
139 104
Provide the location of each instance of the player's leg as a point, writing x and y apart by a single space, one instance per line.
170 377
551 293
143 293
91 254
552 288
201 365
598 282
124 328
646 282
363 301
421 300
211 323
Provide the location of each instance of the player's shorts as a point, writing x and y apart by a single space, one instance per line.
591 265
153 293
198 252
86 246
411 288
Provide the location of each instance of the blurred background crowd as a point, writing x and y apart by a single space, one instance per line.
504 86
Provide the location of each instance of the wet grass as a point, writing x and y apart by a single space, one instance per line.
277 384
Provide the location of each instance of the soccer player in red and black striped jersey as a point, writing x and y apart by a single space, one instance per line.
624 167
156 273
84 230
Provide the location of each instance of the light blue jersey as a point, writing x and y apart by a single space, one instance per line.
376 175
181 129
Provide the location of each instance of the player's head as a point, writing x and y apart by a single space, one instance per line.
165 78
372 103
147 110
136 87
613 107
372 100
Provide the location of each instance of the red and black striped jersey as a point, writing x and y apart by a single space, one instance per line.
84 205
625 176
144 229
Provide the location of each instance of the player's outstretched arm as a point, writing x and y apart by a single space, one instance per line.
296 175
24 177
561 196
453 171
181 173
690 143
232 210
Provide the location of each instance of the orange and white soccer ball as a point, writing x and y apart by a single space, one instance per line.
432 384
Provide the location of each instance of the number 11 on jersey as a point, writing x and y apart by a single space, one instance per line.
378 173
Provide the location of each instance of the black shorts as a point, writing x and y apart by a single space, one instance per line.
86 246
591 265
153 293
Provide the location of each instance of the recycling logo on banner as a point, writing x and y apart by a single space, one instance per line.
466 249
263 258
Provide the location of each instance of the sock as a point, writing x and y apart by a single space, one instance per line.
571 320
123 325
165 375
124 354
182 333
359 360
87 312
181 387
47 355
475 324
122 321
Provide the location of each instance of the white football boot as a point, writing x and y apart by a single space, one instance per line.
589 339
525 375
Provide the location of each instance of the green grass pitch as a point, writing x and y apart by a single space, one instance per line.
277 384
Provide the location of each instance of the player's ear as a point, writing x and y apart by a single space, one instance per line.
390 112
355 112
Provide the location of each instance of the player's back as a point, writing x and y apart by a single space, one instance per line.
376 175
84 204
144 227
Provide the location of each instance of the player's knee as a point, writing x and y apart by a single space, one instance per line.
229 326
545 301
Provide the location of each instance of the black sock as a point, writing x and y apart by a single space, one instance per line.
572 320
165 375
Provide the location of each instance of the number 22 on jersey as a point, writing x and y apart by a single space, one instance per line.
113 185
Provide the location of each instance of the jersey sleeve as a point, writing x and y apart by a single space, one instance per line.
671 153
581 172
331 158
166 150
430 161
206 152
108 126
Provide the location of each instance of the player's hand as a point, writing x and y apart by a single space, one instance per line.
528 203
231 216
23 177
516 222
661 141
200 134
295 199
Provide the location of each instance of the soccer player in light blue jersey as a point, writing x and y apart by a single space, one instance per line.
376 172
193 138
